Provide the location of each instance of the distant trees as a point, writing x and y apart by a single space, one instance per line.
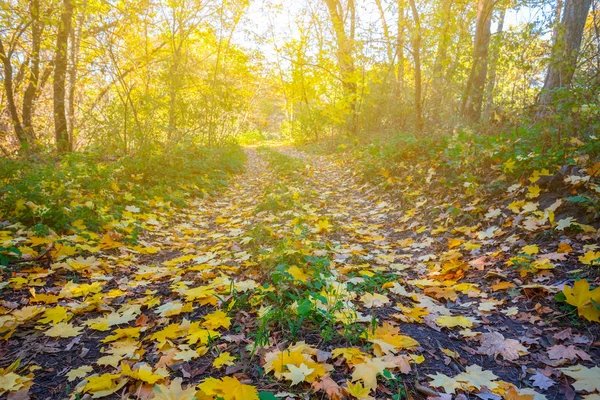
168 72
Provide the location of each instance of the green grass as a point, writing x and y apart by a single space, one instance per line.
91 190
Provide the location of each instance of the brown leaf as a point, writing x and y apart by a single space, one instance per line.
494 344
560 352
329 386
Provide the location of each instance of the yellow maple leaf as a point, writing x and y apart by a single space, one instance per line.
55 315
63 330
10 381
533 192
217 320
530 249
322 225
80 372
351 354
358 390
103 385
448 321
174 391
144 373
225 358
371 300
297 374
298 273
590 258
387 339
581 297
367 371
509 165
586 379
228 388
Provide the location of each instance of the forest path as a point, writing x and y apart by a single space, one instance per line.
295 250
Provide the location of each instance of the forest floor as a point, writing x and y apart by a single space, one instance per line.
296 279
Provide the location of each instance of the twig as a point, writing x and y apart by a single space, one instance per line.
426 390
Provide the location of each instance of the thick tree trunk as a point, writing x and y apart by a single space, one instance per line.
61 133
474 91
566 48
10 96
417 59
34 70
345 56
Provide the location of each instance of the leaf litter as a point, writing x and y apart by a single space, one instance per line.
299 278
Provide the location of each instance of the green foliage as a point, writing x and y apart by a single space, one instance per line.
54 194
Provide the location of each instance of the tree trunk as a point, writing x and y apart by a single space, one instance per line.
34 70
61 133
489 97
417 59
400 43
345 56
566 48
386 32
75 45
474 91
10 96
441 59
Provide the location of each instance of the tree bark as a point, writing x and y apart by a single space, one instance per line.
386 32
34 70
75 46
417 59
491 86
345 49
61 133
10 95
474 91
441 59
566 48
400 56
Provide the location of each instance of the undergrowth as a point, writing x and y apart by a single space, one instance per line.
89 191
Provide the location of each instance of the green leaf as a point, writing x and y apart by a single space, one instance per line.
266 396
